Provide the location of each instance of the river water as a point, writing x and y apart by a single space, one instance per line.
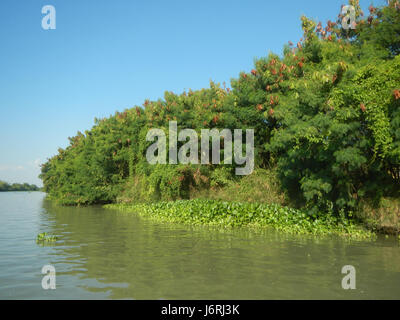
106 254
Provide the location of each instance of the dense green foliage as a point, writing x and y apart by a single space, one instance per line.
326 116
4 186
236 214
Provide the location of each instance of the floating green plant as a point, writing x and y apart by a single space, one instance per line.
44 237
236 214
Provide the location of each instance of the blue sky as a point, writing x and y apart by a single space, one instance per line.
111 55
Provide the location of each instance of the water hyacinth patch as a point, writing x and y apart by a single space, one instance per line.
235 214
44 237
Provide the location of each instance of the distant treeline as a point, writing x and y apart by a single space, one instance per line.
4 186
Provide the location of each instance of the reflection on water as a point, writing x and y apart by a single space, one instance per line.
104 254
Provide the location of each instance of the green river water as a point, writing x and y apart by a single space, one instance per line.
105 254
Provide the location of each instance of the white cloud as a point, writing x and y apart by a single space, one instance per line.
35 163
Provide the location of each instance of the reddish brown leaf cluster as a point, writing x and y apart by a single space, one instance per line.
331 24
271 112
396 94
371 9
302 59
273 100
362 107
319 27
260 107
254 72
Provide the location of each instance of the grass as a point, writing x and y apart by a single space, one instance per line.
243 214
260 187
384 217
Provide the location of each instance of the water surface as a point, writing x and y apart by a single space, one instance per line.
106 254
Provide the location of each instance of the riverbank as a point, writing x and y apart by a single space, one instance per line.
235 214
